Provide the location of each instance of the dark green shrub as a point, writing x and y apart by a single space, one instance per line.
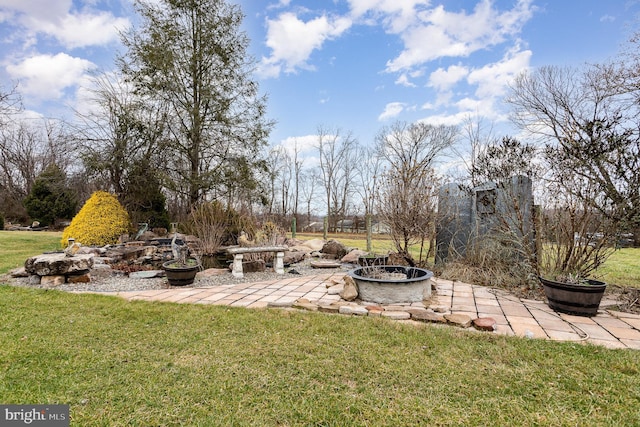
50 197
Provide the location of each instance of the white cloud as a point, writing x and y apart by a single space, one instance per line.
442 79
56 19
440 33
304 144
391 110
47 76
84 29
403 80
292 41
492 79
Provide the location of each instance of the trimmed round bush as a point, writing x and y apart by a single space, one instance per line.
101 221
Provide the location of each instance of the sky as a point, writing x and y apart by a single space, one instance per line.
352 65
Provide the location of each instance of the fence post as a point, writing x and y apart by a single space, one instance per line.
293 227
368 232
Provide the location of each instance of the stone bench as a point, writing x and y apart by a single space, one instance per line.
238 255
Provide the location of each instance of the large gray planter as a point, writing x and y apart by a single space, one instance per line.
373 286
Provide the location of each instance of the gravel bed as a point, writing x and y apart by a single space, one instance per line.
110 281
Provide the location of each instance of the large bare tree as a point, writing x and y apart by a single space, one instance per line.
590 124
408 191
337 167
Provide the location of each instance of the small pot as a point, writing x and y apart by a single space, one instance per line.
179 275
581 300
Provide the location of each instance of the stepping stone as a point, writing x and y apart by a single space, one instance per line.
280 304
334 309
325 264
305 306
146 274
396 315
428 317
351 309
485 324
461 320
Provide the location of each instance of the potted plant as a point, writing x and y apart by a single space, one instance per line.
182 269
578 241
573 295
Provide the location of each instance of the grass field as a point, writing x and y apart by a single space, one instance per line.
120 363
17 246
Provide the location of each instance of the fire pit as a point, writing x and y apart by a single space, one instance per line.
391 284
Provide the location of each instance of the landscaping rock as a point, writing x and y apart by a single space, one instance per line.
79 278
485 324
333 309
280 304
352 257
146 274
461 320
335 249
293 257
428 317
52 281
396 315
353 309
19 272
314 245
350 291
58 264
335 290
305 305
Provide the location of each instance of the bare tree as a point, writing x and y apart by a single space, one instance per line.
310 180
407 198
591 129
120 130
337 170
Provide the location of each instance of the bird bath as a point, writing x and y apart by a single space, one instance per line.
391 284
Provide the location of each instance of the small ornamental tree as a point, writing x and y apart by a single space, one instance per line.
100 222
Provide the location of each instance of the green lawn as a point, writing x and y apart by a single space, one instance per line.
17 246
122 363
623 268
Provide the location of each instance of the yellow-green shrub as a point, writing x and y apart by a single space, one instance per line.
100 222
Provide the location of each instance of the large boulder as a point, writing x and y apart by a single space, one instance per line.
58 264
352 257
334 249
314 244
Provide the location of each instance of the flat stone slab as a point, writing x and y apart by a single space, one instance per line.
353 309
461 320
484 324
396 315
428 317
58 264
146 274
325 264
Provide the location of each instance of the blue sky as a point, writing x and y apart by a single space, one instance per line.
357 65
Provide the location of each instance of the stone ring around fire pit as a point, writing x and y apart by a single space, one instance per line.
391 284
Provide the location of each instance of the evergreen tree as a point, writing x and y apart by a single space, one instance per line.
191 56
50 197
